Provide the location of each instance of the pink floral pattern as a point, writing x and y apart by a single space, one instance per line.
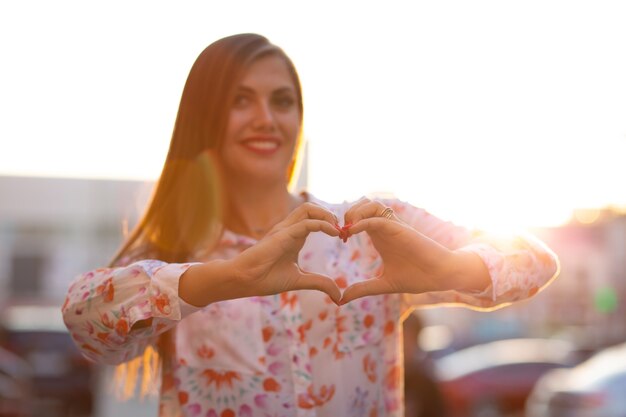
292 354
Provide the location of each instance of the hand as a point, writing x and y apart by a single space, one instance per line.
412 262
271 266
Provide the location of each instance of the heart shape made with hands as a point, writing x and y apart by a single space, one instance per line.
343 288
358 289
412 262
344 234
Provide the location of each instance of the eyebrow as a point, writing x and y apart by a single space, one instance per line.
279 90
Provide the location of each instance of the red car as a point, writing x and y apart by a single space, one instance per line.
495 379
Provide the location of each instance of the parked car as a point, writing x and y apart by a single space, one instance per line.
495 379
594 388
61 378
15 386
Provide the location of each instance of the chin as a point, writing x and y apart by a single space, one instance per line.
261 175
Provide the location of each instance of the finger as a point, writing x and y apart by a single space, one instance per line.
370 224
364 211
305 227
313 281
355 208
308 210
374 286
350 217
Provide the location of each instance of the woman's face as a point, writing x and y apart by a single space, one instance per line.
263 124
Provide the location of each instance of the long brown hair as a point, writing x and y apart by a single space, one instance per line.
184 212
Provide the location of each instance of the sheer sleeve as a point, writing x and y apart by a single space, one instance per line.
102 306
519 265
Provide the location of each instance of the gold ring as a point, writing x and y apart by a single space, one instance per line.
387 213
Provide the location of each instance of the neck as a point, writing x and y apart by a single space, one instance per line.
253 210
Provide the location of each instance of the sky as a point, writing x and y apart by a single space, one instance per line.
488 113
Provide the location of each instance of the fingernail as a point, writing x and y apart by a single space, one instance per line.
344 234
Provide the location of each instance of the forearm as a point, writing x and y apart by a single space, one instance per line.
209 282
468 272
513 268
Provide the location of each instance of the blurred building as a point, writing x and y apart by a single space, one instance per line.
590 295
52 229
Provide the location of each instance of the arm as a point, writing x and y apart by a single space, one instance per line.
269 267
113 313
516 266
436 262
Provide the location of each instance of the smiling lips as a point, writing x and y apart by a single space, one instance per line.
264 145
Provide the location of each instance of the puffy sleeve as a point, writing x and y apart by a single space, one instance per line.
519 265
102 306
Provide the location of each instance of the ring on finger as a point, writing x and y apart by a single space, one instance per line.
387 213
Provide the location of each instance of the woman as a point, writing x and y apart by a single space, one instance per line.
261 302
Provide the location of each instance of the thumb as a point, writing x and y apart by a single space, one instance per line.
313 281
373 286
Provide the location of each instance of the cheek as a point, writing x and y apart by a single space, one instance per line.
235 122
291 127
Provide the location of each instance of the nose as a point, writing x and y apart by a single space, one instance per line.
264 116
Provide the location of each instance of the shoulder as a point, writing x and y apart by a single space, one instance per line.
134 254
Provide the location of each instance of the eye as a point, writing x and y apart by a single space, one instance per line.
283 101
241 100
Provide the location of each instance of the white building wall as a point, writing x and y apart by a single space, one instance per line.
75 224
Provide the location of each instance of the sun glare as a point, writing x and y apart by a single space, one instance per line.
461 110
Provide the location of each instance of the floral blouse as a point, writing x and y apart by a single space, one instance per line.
292 354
